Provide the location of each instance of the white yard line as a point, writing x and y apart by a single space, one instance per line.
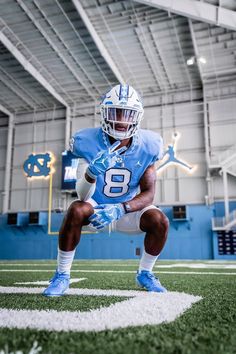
112 271
80 264
79 291
194 265
42 282
142 309
197 265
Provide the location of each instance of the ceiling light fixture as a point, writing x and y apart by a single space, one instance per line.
192 60
202 60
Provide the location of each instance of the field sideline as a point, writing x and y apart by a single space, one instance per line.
104 311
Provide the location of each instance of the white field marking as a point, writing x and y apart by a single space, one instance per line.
187 264
111 271
43 282
28 265
76 264
142 309
197 265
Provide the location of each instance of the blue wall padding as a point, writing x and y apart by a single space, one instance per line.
192 239
219 208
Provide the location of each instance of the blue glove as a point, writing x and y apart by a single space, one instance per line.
104 214
105 159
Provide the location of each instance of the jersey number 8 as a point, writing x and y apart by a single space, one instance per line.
116 182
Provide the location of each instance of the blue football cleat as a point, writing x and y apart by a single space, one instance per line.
148 281
58 285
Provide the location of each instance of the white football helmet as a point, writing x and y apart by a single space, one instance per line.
121 112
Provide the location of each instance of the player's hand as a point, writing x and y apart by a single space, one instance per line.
105 159
104 214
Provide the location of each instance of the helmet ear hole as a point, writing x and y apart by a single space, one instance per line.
121 105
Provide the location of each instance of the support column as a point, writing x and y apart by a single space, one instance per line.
68 127
6 193
226 194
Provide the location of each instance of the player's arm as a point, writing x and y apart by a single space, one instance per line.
147 191
88 173
85 185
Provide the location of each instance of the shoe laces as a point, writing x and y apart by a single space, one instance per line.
152 277
58 278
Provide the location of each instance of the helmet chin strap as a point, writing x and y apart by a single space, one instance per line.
119 135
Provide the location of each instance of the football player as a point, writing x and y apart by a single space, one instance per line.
116 186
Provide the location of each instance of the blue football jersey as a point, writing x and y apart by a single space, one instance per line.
121 182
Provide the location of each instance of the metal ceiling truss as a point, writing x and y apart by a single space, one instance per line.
196 51
18 90
67 63
161 58
102 49
153 66
181 52
6 191
122 59
53 45
11 45
5 110
198 10
86 47
148 52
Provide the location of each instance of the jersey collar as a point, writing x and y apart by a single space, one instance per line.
107 144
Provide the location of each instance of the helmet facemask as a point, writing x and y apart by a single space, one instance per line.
120 123
121 112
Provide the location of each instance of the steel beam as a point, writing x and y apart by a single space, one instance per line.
197 10
17 92
20 91
102 49
151 60
54 46
68 128
5 110
6 192
195 47
29 67
226 194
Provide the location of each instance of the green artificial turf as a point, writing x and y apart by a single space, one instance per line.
64 303
209 326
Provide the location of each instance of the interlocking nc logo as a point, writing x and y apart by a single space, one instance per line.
37 165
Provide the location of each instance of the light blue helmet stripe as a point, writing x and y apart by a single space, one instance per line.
124 92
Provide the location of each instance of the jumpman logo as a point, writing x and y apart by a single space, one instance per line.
172 157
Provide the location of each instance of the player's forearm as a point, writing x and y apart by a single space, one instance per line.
89 179
140 201
85 187
147 191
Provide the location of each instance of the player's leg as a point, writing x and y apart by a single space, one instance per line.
75 219
154 222
69 237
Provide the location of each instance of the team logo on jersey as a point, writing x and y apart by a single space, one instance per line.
38 165
172 158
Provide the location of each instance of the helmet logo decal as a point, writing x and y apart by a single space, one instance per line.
124 94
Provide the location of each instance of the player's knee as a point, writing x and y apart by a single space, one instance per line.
78 211
164 225
157 223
